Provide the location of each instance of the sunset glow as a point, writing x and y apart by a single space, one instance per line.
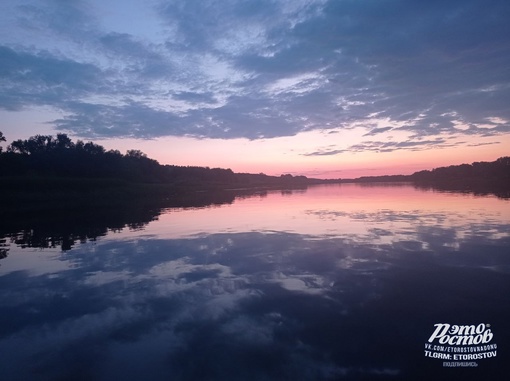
326 89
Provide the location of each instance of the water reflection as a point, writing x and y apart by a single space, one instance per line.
55 227
332 283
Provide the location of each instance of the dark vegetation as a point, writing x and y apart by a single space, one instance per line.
56 195
55 192
63 227
479 174
52 171
45 157
478 178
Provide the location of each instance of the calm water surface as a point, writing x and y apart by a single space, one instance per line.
329 283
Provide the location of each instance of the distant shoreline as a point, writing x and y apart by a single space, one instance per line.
35 194
56 170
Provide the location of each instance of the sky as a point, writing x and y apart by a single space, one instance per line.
327 89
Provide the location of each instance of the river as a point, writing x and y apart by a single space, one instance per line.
331 282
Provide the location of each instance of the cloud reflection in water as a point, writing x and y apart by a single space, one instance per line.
357 302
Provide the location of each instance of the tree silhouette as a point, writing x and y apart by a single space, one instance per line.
137 154
2 139
63 142
49 159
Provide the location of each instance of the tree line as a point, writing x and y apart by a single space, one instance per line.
60 157
45 155
478 177
497 171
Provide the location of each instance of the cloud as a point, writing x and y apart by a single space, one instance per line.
242 304
35 79
195 97
141 60
263 69
67 19
389 146
325 152
483 144
379 130
127 120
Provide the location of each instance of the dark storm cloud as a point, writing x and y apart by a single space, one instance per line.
266 69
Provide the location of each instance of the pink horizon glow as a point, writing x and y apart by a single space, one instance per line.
290 155
275 159
340 203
